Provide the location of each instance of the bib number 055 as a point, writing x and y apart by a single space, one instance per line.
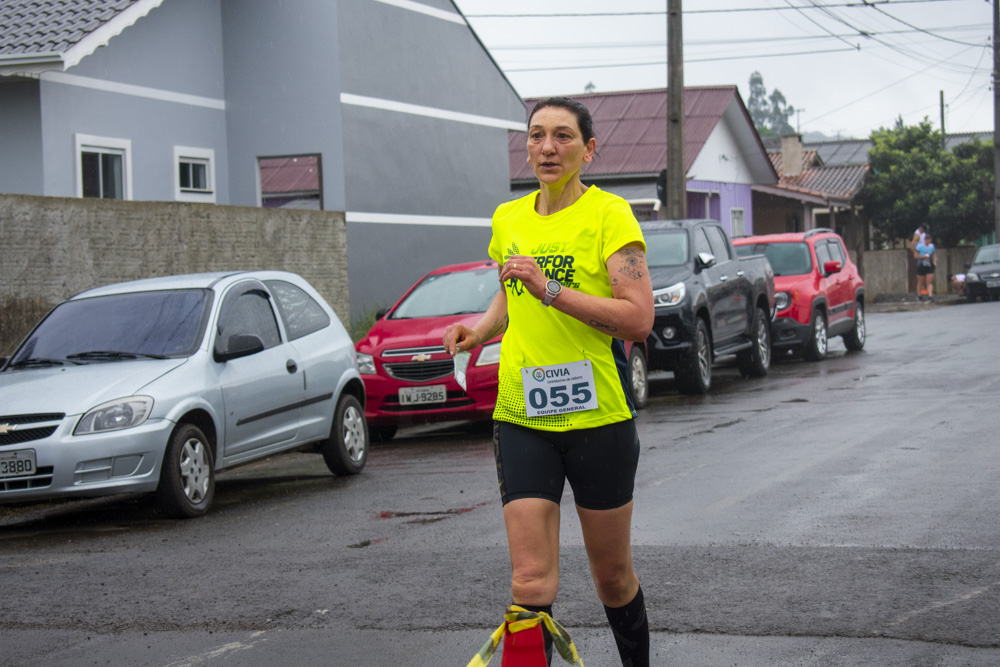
554 390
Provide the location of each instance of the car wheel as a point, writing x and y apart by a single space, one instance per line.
816 346
694 370
381 433
638 377
187 478
855 339
346 450
754 361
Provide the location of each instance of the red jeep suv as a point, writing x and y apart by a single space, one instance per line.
818 292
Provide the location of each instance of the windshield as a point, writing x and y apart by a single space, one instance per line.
456 293
667 249
120 326
987 255
787 259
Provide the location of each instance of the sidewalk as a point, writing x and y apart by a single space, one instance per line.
894 303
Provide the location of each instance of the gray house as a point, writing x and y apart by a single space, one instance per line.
391 111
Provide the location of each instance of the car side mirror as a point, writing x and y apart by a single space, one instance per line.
831 267
968 266
704 260
240 345
380 313
3 360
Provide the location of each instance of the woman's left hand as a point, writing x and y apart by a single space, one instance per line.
525 269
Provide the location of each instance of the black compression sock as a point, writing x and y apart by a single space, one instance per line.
546 637
631 629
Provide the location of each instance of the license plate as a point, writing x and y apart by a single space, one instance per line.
993 283
433 393
18 463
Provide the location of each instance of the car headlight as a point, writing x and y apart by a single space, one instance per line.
366 364
669 296
115 415
782 300
971 276
489 355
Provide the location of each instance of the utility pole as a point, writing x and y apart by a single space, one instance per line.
676 178
996 122
941 103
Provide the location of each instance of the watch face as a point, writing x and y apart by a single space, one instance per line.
553 286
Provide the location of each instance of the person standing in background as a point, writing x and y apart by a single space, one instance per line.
925 268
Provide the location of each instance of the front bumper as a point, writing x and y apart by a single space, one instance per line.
126 461
382 407
983 288
787 332
671 337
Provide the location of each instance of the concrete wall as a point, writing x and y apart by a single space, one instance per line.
894 271
52 247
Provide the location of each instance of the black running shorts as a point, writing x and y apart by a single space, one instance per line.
600 463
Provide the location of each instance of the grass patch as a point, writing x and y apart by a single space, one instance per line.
363 323
17 318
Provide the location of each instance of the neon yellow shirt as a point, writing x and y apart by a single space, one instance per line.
573 247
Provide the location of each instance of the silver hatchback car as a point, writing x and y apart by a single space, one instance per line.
156 385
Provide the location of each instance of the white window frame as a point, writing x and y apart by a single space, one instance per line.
191 154
733 214
90 143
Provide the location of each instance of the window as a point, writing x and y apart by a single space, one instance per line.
104 167
299 311
250 313
738 225
292 181
194 174
701 242
837 251
822 256
717 239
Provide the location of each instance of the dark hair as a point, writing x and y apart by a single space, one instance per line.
581 112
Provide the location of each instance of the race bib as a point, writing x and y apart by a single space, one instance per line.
554 390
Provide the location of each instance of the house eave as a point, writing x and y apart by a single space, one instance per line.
30 64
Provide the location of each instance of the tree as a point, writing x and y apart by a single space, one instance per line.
769 113
757 103
915 180
779 114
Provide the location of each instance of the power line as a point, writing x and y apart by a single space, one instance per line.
712 42
863 3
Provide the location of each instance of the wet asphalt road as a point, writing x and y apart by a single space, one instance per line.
838 513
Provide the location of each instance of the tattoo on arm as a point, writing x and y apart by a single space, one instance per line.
499 326
632 258
602 325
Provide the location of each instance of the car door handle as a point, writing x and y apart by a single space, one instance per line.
740 273
723 278
291 366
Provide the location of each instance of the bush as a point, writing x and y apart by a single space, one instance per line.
17 318
362 324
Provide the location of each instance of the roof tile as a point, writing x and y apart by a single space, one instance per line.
39 26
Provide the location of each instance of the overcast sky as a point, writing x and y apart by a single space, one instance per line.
844 83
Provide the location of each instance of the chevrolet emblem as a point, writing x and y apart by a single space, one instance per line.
5 428
420 357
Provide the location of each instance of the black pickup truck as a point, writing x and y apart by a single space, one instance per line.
709 302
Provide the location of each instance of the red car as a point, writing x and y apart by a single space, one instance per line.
818 292
410 379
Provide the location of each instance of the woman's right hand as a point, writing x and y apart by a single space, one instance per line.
458 338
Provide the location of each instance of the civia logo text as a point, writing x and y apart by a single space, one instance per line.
540 373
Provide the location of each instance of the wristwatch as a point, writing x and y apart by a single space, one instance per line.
552 289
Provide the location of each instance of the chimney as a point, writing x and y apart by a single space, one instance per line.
791 154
